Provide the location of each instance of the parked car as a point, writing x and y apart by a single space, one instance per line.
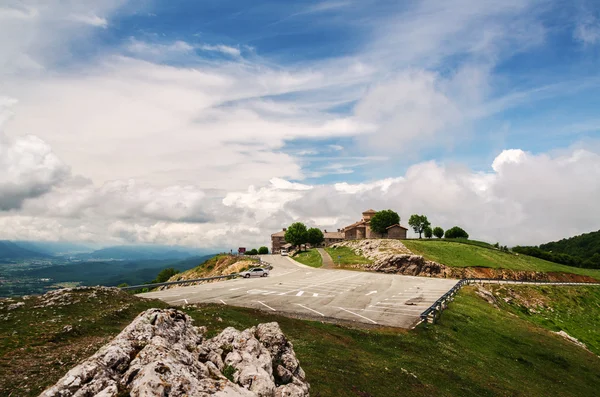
255 272
284 252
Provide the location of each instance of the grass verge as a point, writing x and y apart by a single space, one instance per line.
310 258
345 256
455 254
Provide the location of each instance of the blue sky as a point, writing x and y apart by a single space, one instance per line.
553 59
161 121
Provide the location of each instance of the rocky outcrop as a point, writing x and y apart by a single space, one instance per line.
161 353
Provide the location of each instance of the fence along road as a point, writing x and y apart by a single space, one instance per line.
327 295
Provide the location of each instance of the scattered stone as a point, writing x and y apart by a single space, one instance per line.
15 305
571 339
162 353
487 296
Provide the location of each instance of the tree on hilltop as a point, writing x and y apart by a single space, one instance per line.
384 219
438 232
314 236
428 232
296 234
418 223
456 232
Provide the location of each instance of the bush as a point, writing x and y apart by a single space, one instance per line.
253 251
263 251
164 275
428 232
438 232
456 232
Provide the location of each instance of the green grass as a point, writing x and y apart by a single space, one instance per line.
310 258
345 256
461 254
474 350
573 310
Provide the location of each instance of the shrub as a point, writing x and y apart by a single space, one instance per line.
438 232
456 232
263 251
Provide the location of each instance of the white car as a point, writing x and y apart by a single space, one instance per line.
284 252
255 272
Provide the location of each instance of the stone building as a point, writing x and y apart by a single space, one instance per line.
355 231
362 229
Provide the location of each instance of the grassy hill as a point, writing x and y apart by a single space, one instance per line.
583 246
475 350
218 265
465 254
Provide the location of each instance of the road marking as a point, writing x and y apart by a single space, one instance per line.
308 308
233 289
300 293
185 300
356 314
371 293
222 301
265 305
315 294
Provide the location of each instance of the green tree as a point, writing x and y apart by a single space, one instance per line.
296 234
418 223
456 232
253 251
263 251
438 232
164 275
428 232
384 219
314 236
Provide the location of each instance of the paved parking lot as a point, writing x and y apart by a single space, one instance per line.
327 295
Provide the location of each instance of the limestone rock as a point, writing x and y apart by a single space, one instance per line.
162 353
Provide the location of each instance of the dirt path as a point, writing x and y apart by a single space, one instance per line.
327 260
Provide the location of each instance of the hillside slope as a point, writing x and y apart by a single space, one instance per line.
459 255
219 265
584 246
12 251
476 349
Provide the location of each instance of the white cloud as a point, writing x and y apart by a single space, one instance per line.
92 20
224 49
28 167
588 30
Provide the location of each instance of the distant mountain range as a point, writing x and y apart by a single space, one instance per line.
21 250
138 252
12 251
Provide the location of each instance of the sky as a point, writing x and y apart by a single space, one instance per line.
215 123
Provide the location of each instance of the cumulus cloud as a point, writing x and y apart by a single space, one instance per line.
28 168
526 199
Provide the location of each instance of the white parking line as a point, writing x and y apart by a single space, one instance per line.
300 293
222 301
265 305
356 314
308 308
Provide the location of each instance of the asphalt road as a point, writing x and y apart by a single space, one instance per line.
327 295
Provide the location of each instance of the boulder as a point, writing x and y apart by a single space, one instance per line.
161 353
